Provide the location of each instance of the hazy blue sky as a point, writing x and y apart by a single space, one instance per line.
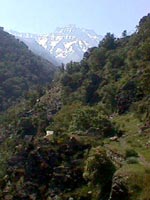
43 16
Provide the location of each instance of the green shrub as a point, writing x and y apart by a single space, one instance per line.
89 119
61 121
131 153
132 160
98 167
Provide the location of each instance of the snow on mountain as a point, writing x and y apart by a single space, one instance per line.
31 41
66 43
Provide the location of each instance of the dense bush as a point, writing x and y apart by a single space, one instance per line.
91 120
98 168
131 153
99 171
120 67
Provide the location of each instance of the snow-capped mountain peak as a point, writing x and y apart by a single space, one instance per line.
66 43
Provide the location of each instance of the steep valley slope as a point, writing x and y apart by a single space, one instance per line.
87 136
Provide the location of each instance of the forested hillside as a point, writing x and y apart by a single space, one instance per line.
20 70
88 136
115 74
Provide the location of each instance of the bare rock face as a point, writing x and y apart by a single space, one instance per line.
119 189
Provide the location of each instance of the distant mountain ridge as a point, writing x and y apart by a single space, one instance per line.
31 41
64 44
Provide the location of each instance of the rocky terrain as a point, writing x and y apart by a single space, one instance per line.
86 136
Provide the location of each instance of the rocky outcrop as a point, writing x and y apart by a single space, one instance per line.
119 190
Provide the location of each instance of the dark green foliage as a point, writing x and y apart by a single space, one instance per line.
115 73
124 33
25 127
97 59
108 42
131 153
98 168
61 121
99 171
87 157
20 70
92 121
